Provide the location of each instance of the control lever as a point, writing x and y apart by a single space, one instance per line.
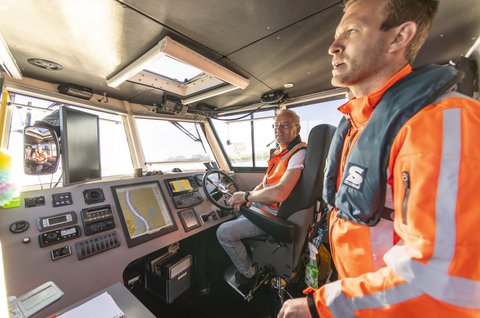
222 212
214 215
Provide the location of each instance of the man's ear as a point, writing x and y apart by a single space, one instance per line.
403 34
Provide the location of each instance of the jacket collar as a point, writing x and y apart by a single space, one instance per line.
292 144
360 108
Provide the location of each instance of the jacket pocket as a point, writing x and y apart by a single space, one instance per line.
406 184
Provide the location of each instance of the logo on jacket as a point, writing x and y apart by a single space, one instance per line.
355 177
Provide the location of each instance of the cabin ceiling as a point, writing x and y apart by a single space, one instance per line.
270 42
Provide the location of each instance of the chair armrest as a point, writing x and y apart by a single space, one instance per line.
280 229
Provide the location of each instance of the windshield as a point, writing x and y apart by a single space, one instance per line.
173 144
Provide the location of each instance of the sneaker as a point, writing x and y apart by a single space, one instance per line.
243 280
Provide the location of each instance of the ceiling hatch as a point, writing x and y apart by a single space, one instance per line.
172 67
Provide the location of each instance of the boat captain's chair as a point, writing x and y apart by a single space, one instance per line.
280 250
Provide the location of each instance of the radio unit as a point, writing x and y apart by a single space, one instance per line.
97 219
56 221
58 236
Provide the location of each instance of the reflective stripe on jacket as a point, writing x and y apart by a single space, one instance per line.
434 172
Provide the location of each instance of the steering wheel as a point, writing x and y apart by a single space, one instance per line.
218 187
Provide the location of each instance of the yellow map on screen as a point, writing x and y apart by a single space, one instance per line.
180 185
143 209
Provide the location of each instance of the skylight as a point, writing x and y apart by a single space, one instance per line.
173 69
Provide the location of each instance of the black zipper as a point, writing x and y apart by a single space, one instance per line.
406 183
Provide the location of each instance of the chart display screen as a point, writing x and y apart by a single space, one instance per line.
179 186
143 212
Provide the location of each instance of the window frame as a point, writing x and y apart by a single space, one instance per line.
340 96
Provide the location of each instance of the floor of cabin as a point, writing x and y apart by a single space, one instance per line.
222 300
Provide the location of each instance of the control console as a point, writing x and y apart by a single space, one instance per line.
184 192
58 236
97 219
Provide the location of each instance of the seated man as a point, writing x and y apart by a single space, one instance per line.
41 160
284 170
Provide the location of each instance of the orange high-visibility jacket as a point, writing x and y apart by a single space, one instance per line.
433 172
278 163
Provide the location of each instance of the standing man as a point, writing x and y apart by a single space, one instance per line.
406 142
284 169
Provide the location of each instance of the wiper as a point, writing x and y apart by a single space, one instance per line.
185 131
189 134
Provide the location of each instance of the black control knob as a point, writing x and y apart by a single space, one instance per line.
19 226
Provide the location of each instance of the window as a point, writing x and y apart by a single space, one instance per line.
236 135
114 152
173 144
115 156
316 114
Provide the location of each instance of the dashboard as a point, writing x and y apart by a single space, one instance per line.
82 237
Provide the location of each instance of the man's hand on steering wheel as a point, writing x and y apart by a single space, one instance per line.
238 199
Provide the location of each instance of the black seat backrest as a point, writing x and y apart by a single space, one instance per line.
310 184
303 196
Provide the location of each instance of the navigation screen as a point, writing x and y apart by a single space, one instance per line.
143 212
179 186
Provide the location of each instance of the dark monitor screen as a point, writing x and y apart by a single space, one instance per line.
179 186
143 212
80 146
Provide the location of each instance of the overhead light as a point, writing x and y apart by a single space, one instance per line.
204 74
208 94
7 61
75 90
45 64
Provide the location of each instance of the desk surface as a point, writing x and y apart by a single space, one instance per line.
127 302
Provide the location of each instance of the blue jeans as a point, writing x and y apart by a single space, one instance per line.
230 234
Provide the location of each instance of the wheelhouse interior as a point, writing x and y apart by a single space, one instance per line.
133 102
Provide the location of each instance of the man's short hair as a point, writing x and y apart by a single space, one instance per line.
290 113
397 12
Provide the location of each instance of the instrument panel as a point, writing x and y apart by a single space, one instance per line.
82 232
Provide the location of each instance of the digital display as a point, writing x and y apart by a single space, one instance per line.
68 231
58 219
178 186
143 212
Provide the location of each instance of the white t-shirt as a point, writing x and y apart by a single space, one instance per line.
297 159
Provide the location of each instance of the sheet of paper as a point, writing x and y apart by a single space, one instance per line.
102 306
